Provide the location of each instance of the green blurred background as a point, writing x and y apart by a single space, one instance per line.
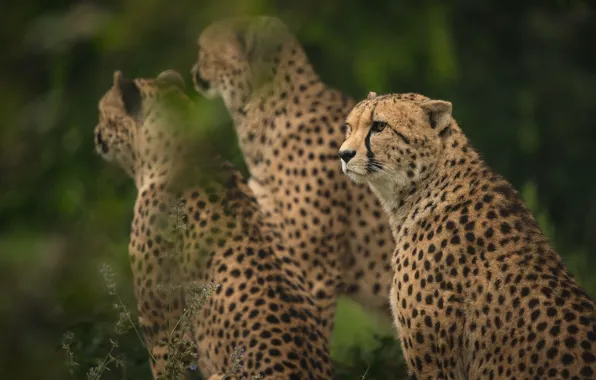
521 76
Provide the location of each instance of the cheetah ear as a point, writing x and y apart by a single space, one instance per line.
170 78
261 36
439 115
130 94
246 40
371 95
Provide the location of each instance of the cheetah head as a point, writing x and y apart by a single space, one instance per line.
394 139
122 135
238 56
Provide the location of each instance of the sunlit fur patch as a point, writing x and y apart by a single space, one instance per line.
356 177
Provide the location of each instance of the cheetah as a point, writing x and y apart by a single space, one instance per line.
289 129
262 305
478 292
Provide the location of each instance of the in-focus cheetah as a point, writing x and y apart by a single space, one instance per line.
478 292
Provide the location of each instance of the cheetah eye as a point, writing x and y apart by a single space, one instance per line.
378 126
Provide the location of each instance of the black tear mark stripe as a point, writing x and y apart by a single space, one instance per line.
372 165
369 152
404 138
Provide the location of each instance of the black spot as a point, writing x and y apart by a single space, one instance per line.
587 372
505 228
570 342
551 353
450 259
567 359
419 338
555 330
588 357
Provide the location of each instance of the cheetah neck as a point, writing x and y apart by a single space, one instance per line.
167 154
158 169
403 199
293 79
269 114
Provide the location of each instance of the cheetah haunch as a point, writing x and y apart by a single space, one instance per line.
478 292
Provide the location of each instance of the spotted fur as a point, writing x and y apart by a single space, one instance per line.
262 304
478 292
289 127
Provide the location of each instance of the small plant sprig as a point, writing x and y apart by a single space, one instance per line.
181 351
123 325
238 365
68 340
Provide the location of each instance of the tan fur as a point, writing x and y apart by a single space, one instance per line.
478 292
289 128
262 304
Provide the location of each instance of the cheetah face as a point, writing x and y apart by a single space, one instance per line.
122 112
222 68
236 57
394 139
118 122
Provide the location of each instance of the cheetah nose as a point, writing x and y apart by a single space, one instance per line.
347 155
201 83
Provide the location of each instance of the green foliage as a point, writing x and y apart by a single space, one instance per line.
384 361
196 298
520 76
529 194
